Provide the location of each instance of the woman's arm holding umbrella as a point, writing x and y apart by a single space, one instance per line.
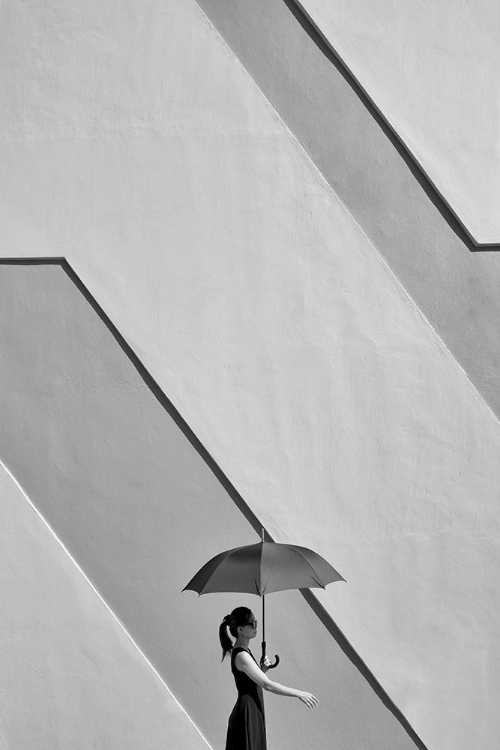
246 664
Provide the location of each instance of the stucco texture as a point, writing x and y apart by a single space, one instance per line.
140 511
272 321
454 286
71 677
432 69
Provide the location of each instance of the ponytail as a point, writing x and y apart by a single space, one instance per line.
238 616
225 641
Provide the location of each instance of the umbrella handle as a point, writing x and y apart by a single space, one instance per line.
263 644
271 666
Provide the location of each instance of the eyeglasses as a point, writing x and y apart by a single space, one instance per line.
252 623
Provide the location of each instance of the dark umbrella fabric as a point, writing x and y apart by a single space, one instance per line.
263 568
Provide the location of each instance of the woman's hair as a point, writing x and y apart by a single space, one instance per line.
238 616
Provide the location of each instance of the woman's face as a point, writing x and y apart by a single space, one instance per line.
250 629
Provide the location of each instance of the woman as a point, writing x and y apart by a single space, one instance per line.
247 727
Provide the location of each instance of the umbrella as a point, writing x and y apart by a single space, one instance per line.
261 569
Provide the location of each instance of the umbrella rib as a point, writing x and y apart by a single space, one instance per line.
309 564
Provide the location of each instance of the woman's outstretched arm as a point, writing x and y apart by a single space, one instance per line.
245 663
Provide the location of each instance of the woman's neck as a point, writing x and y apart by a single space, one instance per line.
241 642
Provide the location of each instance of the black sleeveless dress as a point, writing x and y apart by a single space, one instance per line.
246 728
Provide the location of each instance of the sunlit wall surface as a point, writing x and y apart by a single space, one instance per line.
231 297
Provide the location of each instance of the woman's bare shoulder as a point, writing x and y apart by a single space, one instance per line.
241 655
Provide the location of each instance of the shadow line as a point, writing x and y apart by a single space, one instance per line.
231 490
360 665
416 169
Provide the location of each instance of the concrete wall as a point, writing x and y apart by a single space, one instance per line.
263 299
431 68
455 288
140 511
71 676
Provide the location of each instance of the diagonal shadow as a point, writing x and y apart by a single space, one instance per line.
318 609
416 169
238 26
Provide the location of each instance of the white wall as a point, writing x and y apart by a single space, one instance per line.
269 318
431 68
109 467
71 677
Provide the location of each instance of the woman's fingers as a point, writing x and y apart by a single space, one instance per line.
309 699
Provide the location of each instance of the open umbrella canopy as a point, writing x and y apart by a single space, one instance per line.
263 568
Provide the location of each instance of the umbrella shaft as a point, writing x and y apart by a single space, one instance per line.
263 626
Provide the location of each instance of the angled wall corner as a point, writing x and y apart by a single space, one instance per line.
71 677
431 70
260 301
455 287
139 510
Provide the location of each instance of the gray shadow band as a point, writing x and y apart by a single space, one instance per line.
298 71
151 384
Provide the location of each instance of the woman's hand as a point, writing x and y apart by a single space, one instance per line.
266 663
308 698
